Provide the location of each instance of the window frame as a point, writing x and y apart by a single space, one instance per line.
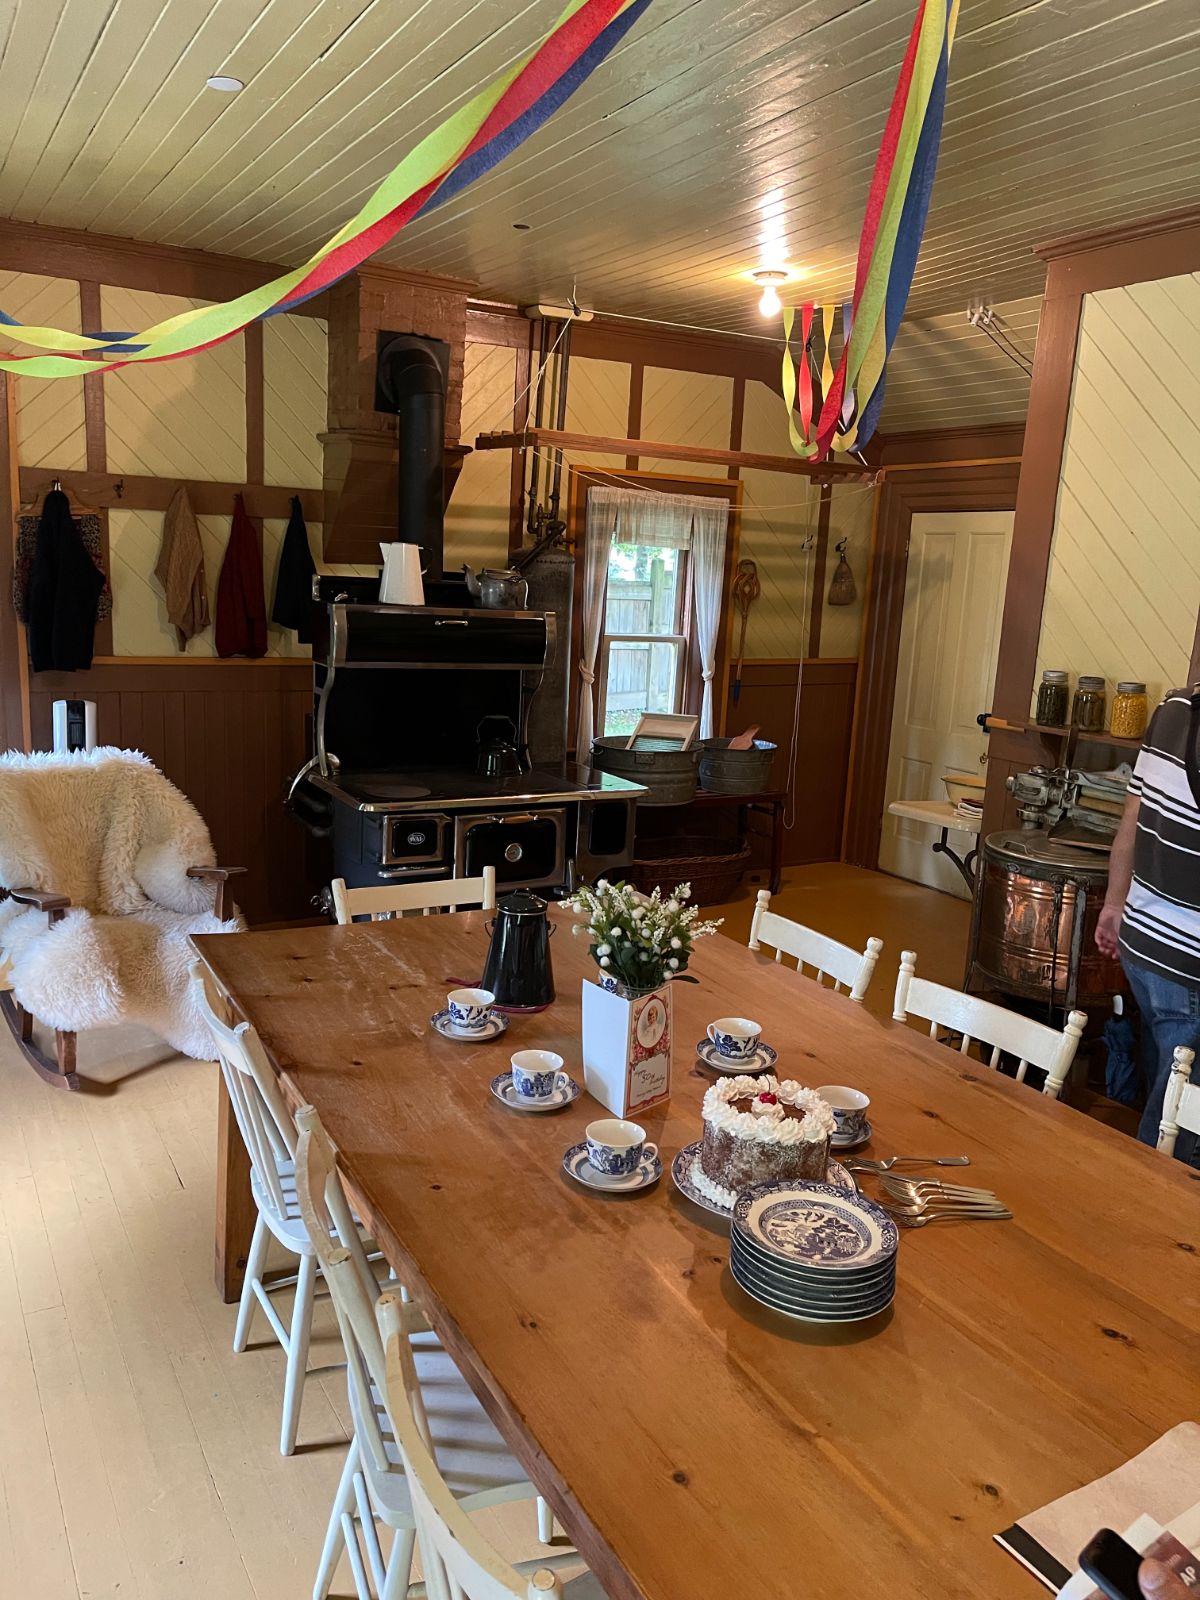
680 640
581 479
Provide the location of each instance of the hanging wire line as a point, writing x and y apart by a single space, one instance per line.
988 323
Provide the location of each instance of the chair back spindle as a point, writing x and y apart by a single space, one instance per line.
994 1028
385 901
846 969
1181 1103
262 1116
458 1562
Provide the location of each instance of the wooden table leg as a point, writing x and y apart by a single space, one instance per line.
776 846
235 1204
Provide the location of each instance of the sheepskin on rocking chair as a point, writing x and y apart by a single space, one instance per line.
105 872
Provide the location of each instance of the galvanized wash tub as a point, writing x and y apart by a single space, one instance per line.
669 775
726 771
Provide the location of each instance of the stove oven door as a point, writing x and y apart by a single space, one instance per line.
527 848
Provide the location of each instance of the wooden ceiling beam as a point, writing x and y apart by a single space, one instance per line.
597 444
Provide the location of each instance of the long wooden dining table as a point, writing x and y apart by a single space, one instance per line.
694 1444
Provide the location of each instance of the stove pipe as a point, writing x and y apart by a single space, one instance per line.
410 381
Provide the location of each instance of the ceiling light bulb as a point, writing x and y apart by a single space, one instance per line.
225 84
767 278
770 305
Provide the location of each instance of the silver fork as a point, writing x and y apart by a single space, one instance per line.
949 1204
865 1164
921 1219
930 1188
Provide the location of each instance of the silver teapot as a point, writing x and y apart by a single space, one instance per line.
497 588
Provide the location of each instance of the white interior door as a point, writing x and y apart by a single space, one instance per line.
949 640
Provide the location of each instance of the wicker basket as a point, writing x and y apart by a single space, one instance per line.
666 862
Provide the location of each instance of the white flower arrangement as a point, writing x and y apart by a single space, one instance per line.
640 940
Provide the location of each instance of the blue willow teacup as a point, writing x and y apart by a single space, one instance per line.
537 1074
735 1038
470 1009
616 1147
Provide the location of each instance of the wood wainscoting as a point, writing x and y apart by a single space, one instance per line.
819 775
229 734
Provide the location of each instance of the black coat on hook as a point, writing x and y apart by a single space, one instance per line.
64 590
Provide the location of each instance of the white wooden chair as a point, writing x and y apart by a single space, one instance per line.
269 1134
458 1562
479 1468
1181 1103
979 1021
850 969
394 899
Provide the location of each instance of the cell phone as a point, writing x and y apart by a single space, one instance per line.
1112 1565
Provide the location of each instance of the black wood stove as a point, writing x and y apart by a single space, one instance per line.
420 766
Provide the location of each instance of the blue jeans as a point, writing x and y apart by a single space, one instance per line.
1170 1016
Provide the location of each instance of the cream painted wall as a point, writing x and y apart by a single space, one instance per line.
1124 581
169 419
295 376
693 408
851 514
477 516
49 415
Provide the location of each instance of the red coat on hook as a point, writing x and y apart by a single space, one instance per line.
241 625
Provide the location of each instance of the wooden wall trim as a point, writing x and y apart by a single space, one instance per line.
95 431
637 380
14 670
950 488
135 264
91 317
162 674
650 344
820 557
255 404
958 445
1037 501
1159 247
208 497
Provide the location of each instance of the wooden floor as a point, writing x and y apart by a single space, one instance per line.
854 905
139 1456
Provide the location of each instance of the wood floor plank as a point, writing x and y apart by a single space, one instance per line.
38 1558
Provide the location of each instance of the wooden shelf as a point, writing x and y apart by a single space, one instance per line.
1084 735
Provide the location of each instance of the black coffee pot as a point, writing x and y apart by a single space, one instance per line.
518 969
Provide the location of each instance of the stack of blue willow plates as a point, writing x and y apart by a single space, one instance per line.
814 1252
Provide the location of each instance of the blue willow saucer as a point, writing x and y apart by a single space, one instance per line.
492 1029
576 1165
502 1087
762 1059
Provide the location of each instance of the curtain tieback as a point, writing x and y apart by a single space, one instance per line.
586 673
708 674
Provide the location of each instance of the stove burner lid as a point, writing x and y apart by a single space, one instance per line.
384 786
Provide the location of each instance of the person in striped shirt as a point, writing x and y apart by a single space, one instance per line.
1151 914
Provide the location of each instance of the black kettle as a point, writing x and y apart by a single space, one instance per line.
497 755
518 970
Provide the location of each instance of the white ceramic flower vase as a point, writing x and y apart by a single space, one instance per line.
627 1048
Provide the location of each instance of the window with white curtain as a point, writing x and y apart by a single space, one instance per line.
644 643
653 569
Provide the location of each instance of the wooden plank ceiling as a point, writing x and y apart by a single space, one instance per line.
646 192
